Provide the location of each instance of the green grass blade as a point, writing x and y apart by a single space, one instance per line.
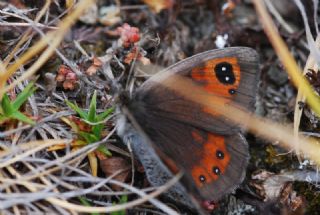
96 130
93 108
88 137
103 149
105 114
23 96
123 200
85 202
6 105
21 117
3 119
78 110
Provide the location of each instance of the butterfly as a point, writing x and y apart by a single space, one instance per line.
168 132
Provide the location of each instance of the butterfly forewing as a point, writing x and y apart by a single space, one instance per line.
230 73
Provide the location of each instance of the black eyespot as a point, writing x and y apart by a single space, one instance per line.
216 170
224 73
232 91
219 154
202 178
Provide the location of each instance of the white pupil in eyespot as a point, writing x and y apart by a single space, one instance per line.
227 78
224 68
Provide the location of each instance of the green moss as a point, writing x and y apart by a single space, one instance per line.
311 194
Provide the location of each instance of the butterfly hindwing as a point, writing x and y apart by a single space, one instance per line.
213 164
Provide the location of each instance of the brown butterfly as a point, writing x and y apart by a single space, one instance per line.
167 132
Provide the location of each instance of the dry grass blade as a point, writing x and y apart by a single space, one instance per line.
261 127
2 67
26 34
31 147
145 197
285 56
310 64
279 18
311 43
46 189
34 188
52 39
18 24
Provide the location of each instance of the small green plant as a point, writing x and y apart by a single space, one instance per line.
84 201
9 110
97 127
123 199
95 119
90 130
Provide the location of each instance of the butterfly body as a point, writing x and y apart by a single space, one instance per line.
157 172
168 132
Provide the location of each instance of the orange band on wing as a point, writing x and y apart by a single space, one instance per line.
215 159
207 77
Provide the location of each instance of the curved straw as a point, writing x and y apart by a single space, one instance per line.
310 64
260 126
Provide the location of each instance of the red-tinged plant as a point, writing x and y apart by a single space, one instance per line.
68 78
96 64
128 35
136 53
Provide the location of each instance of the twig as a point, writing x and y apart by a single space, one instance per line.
18 24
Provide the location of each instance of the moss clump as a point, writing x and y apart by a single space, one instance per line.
312 197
